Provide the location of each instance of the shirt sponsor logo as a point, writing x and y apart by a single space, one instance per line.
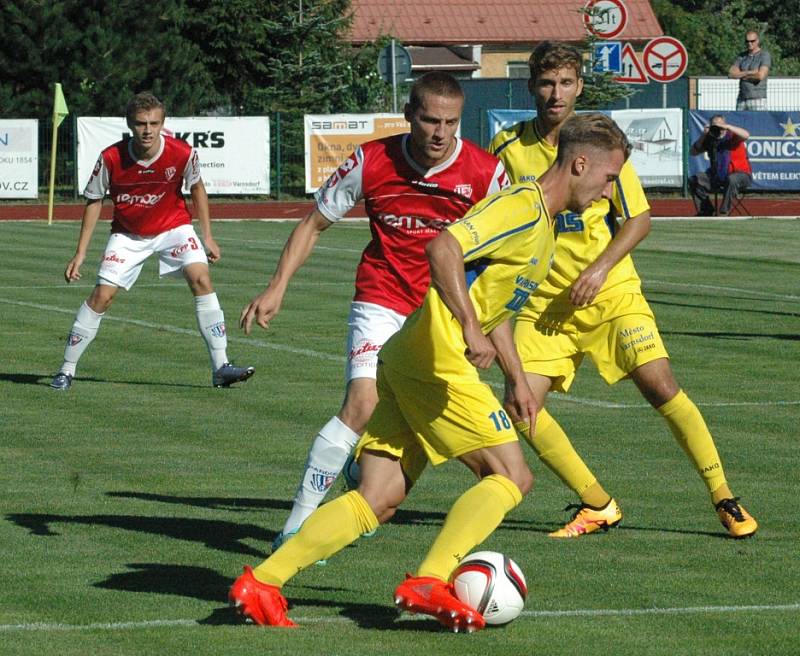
407 222
464 190
147 200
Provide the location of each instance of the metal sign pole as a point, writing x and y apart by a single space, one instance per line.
394 81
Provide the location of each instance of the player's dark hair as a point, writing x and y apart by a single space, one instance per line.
143 102
435 83
552 55
593 129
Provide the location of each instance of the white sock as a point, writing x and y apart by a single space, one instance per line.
211 322
326 457
83 331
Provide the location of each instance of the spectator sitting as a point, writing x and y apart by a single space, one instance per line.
729 170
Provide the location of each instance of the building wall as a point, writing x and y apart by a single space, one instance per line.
494 60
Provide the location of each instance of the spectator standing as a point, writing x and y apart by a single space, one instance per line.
751 68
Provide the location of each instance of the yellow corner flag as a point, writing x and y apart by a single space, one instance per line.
60 112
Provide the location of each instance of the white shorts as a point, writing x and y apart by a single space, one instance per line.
369 326
125 254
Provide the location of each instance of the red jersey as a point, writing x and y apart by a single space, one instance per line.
146 194
407 207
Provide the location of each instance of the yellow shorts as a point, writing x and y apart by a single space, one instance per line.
420 421
619 334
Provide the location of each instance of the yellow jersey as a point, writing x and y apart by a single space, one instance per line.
526 155
508 241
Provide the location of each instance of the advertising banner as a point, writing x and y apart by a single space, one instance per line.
234 151
330 138
19 158
773 147
656 136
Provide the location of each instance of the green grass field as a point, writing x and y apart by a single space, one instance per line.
130 503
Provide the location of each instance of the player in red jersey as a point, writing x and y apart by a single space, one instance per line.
413 185
144 176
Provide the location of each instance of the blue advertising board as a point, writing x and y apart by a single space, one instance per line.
773 147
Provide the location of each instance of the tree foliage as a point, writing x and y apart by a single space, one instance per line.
200 56
713 31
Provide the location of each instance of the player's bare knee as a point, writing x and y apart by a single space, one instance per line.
383 503
523 479
101 298
359 404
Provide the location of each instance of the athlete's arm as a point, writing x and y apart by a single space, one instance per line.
295 252
592 278
91 215
522 404
741 133
203 216
446 261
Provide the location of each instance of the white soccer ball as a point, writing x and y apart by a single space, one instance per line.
492 584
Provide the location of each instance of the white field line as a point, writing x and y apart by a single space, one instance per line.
533 614
252 341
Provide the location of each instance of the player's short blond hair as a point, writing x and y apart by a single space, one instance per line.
143 102
552 55
592 129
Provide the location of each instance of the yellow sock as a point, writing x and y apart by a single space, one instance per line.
556 451
691 432
327 531
473 517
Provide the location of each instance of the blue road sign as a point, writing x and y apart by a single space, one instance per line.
607 57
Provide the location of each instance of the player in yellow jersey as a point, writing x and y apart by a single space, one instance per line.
432 404
592 303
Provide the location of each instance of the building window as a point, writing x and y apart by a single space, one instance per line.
517 69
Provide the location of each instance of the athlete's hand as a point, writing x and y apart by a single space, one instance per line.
261 310
588 285
521 406
73 270
212 249
480 351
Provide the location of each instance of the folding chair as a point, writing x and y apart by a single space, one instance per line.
737 206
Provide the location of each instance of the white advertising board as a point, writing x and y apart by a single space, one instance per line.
656 137
234 151
19 158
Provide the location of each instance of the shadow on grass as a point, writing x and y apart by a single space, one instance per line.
214 534
240 504
207 585
44 380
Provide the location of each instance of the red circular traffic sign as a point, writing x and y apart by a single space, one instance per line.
605 18
665 59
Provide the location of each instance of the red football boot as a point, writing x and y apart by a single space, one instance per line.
432 596
262 603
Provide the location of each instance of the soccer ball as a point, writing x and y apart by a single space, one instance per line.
492 584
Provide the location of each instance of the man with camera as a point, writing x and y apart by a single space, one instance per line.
729 169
